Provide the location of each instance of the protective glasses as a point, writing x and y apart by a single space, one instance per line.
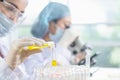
13 10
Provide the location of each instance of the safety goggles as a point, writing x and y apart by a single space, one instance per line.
13 10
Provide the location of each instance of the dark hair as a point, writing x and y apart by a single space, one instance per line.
55 20
1 0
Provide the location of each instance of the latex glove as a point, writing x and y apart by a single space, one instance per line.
18 52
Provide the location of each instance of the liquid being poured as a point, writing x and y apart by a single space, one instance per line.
54 61
52 46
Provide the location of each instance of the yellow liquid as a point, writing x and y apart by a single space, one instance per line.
39 47
34 47
54 63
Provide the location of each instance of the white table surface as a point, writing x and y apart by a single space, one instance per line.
105 74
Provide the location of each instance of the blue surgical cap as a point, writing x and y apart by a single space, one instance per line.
53 11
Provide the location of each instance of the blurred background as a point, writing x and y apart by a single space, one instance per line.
97 21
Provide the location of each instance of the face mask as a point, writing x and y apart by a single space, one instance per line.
5 25
58 35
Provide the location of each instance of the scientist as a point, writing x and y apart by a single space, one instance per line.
51 24
10 13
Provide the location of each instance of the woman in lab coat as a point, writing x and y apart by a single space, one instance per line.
10 12
51 24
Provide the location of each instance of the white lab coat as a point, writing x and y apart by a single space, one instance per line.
25 70
61 54
7 74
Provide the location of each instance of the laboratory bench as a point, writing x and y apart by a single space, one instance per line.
105 73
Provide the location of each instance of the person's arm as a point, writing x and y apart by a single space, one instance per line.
5 72
18 51
17 54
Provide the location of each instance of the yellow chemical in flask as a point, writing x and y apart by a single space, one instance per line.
47 44
54 63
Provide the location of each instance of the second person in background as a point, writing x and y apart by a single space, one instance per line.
51 24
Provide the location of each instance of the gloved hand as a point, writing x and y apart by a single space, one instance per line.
18 51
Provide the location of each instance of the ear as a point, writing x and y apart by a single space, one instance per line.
52 27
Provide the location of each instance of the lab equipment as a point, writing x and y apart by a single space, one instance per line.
79 47
54 61
47 44
62 73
